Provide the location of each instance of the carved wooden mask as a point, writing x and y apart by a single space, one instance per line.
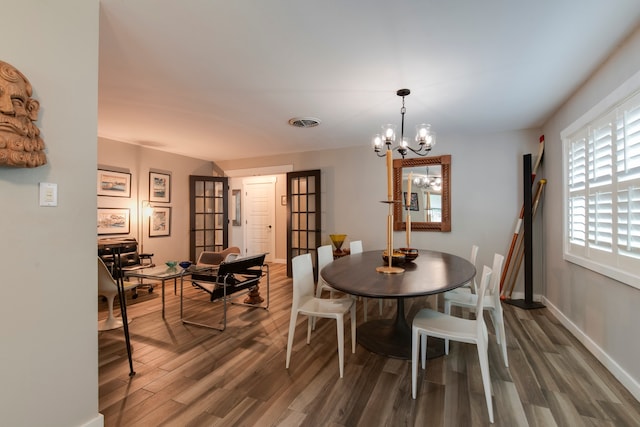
20 142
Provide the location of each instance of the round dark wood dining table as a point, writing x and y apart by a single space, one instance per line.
432 272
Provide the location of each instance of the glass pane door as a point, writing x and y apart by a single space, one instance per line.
303 219
209 216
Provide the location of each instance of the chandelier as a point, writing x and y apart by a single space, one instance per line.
425 137
428 182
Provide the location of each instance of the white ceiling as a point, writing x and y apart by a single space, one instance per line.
219 80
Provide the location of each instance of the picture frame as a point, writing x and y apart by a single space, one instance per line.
236 208
159 187
414 201
160 221
113 184
113 221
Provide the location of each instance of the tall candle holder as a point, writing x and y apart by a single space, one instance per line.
390 268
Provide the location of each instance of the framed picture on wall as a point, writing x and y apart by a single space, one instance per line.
114 184
113 221
160 221
414 201
159 187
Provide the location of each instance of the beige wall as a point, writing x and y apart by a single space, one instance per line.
49 347
602 312
486 191
139 161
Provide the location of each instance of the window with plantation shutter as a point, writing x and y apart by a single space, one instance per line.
602 189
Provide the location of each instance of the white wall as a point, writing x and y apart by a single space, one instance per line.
602 312
139 161
486 191
49 347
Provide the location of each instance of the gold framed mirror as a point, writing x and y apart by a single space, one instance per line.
429 201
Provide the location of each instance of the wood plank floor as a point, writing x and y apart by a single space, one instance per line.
192 376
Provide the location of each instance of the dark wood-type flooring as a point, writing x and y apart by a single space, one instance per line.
191 376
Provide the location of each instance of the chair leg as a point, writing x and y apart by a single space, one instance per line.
499 322
310 323
423 345
486 378
292 330
447 310
415 341
380 306
340 331
353 327
110 318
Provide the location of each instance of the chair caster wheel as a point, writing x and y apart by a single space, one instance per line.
150 290
134 296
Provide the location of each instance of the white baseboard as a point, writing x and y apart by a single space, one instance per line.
616 370
98 421
520 295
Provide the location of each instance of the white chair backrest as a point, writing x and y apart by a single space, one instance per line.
496 268
325 256
484 284
473 259
355 246
303 284
106 282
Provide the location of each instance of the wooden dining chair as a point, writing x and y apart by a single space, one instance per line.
305 303
432 323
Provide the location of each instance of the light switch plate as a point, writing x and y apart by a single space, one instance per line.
48 194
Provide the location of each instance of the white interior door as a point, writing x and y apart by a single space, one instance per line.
260 216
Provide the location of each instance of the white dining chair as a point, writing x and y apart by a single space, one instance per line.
305 303
491 304
108 288
356 247
432 323
325 256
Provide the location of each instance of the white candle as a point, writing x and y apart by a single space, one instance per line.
389 176
408 221
409 180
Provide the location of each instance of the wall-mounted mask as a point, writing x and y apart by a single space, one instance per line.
20 142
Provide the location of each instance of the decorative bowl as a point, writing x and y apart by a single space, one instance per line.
397 257
171 264
409 253
185 264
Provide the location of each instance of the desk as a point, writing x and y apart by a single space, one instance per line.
162 274
431 273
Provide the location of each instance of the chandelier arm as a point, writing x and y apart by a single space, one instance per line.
419 151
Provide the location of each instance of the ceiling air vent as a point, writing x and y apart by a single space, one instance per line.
304 122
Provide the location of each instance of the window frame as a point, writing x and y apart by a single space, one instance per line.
595 188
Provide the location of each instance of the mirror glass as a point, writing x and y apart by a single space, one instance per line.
426 198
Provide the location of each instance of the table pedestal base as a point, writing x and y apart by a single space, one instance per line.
254 297
392 337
